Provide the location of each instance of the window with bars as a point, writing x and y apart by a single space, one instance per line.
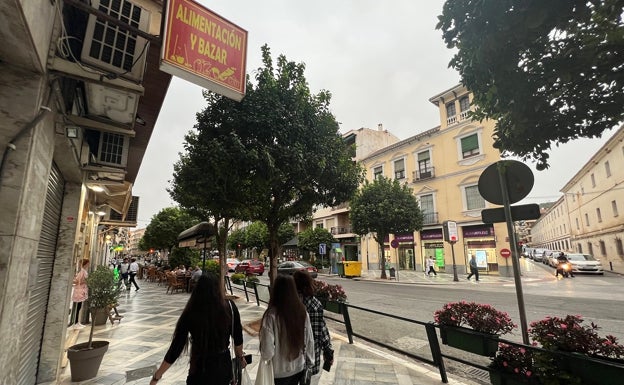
470 146
474 200
399 169
112 149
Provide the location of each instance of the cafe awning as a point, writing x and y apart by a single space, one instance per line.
196 236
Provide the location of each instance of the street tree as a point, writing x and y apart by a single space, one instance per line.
310 238
384 207
164 228
271 157
236 241
545 71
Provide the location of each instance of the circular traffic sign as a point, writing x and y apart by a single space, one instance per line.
394 243
505 253
519 180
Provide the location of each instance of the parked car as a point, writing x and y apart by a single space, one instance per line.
538 254
289 267
550 258
585 263
252 266
232 263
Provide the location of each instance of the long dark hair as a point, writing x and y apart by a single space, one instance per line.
208 316
304 283
290 313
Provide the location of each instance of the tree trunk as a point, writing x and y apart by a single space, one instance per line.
274 252
382 258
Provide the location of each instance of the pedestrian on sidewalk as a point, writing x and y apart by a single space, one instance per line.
431 266
81 292
322 340
133 269
474 270
124 269
286 334
210 320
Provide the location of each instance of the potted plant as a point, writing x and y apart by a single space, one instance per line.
331 296
85 358
513 365
237 278
485 325
586 357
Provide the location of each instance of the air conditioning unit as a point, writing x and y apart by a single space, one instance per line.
113 49
112 149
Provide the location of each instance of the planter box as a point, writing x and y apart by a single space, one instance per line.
595 371
501 378
469 340
331 306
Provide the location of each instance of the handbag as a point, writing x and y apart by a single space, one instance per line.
265 373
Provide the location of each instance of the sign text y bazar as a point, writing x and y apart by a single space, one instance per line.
204 48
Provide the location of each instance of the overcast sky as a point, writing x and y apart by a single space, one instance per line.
381 60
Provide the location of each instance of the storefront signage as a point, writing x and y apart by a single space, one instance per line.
404 237
478 231
204 48
431 234
434 245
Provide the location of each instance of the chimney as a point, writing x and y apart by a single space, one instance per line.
380 127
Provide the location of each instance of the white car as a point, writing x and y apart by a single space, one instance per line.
585 263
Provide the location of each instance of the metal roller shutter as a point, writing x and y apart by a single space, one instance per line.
39 290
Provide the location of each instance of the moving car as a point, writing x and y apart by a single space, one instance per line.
551 257
250 266
232 263
289 267
585 263
538 254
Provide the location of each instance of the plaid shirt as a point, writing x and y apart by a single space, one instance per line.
322 341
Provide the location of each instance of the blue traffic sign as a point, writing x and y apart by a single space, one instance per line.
322 248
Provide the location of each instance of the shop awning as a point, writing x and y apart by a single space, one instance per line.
196 236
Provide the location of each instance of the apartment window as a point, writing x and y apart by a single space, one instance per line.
470 146
426 206
586 219
599 215
614 208
619 247
603 248
377 172
318 225
579 248
464 104
590 248
593 180
424 164
607 169
451 111
399 169
474 200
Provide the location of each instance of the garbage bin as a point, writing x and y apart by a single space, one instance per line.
352 268
341 269
392 273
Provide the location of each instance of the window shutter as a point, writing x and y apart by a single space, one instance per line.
469 143
423 156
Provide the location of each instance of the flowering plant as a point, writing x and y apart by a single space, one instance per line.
569 335
328 292
480 317
513 359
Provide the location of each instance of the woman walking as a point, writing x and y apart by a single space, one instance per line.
286 334
209 320
322 341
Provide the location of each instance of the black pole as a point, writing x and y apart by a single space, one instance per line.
455 278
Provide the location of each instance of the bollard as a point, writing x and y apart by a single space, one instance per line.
611 265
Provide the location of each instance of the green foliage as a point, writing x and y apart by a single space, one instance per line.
212 266
184 256
103 288
164 228
546 71
257 235
237 278
385 207
235 238
309 239
271 157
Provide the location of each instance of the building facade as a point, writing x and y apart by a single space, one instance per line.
78 113
588 217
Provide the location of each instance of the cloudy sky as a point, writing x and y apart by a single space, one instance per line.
381 60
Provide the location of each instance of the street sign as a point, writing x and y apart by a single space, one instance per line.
497 215
505 253
322 248
394 243
450 231
519 180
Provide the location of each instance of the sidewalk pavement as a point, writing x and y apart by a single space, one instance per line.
140 340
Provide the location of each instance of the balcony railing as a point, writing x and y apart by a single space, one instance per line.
430 218
425 174
451 120
341 230
399 174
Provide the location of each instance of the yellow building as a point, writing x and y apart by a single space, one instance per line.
442 166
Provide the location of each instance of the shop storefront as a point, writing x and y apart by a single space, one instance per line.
480 241
432 246
405 251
